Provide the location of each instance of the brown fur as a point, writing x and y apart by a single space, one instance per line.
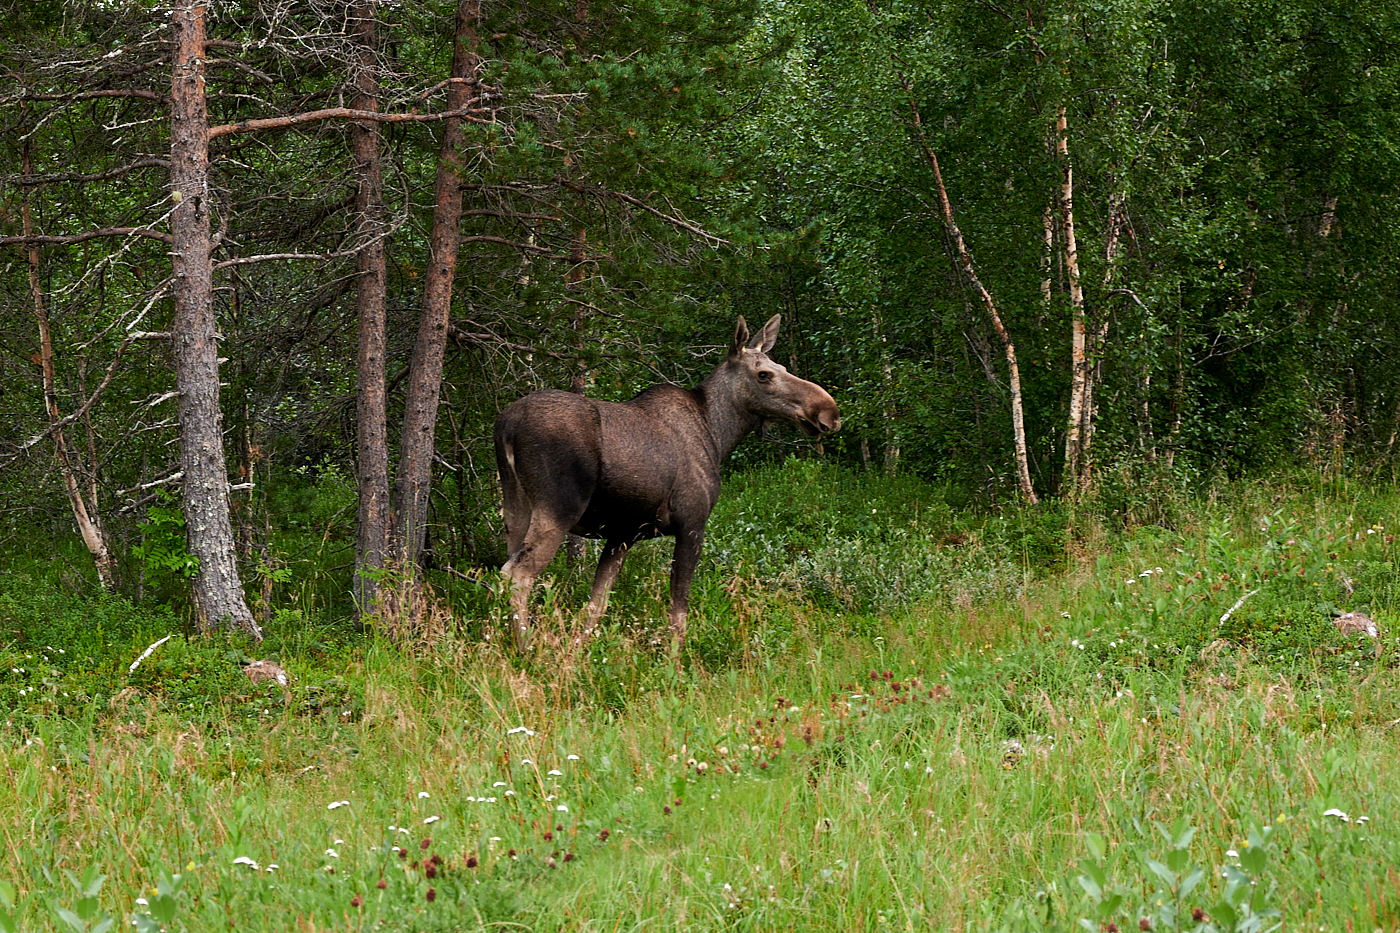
649 467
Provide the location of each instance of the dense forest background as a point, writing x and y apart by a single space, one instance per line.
1041 251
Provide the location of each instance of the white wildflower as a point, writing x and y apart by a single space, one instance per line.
431 819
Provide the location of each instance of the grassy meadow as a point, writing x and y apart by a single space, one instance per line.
896 712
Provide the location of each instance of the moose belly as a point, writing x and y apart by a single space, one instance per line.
627 511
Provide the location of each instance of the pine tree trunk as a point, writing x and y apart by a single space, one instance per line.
371 413
413 483
218 592
575 547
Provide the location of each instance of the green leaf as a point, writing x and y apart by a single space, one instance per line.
1091 888
1096 844
1253 860
73 920
1161 871
163 908
1189 883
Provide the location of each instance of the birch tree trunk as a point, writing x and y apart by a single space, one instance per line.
413 483
1018 421
85 515
218 592
1097 333
1078 359
371 413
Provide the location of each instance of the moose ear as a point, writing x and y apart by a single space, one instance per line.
741 337
763 340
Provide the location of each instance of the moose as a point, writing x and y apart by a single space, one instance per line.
630 471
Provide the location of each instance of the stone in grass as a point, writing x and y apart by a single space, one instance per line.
260 671
1355 623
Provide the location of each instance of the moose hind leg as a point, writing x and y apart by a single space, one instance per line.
614 553
538 549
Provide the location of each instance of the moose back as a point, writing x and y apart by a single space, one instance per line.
628 471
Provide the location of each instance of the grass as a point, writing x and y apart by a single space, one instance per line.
893 715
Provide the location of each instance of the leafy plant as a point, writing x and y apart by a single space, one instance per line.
85 916
163 549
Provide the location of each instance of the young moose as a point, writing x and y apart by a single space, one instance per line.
629 471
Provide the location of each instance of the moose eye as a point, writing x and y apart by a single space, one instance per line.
765 376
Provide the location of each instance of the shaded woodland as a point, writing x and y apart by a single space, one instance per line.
1044 251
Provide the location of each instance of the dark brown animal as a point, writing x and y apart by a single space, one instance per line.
625 472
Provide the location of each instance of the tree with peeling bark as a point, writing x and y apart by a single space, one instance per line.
218 590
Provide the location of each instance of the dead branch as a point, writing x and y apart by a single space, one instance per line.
269 257
89 95
31 180
343 113
637 202
76 238
68 419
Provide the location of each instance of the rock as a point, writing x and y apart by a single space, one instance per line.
260 671
1354 623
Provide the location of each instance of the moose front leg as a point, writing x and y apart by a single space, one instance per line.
687 556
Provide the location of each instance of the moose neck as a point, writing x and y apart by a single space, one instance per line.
728 418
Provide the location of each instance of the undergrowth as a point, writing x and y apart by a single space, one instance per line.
891 714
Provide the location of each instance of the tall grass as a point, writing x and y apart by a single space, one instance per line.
893 715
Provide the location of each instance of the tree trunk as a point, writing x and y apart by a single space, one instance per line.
1018 421
218 592
371 412
887 380
1095 336
1047 258
413 484
575 547
86 517
1078 359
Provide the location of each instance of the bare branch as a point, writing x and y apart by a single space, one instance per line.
637 202
84 237
68 419
268 257
504 242
28 180
343 113
89 95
